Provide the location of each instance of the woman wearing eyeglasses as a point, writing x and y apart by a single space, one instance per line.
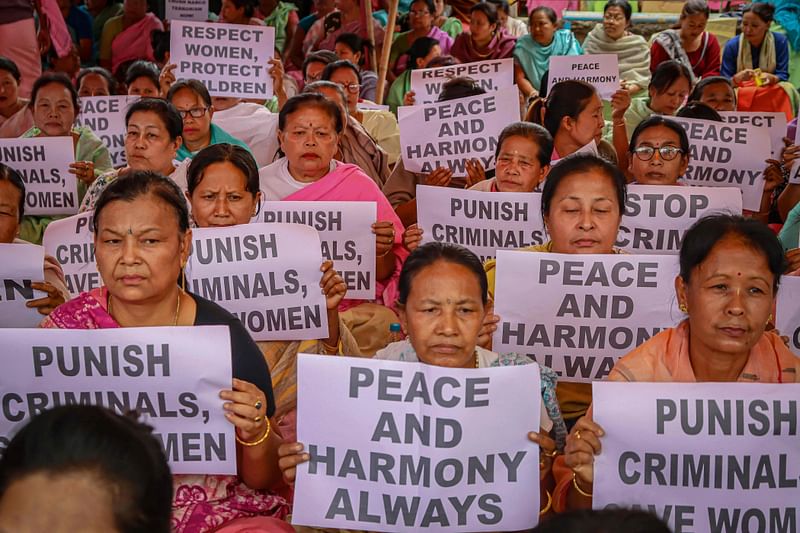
191 99
382 125
658 152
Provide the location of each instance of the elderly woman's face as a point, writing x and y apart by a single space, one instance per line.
443 315
584 214
148 145
518 168
729 297
53 111
720 96
420 17
309 141
139 248
9 211
542 28
144 87
221 198
9 92
614 22
93 85
657 170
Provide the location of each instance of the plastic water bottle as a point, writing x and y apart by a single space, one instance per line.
395 332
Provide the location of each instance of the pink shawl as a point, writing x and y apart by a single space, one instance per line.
85 311
134 42
348 183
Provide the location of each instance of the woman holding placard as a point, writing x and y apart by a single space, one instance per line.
15 116
583 201
309 128
223 190
533 51
442 303
153 136
54 102
142 243
730 268
613 37
485 39
12 209
659 152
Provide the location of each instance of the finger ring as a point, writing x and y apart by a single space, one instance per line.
578 434
549 454
257 419
258 404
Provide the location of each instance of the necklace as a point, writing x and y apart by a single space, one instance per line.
477 360
177 309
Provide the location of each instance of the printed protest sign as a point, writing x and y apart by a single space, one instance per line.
794 174
170 375
479 221
577 314
43 163
490 75
230 59
196 10
71 241
725 155
774 122
105 116
447 134
657 216
704 457
22 265
265 274
424 448
599 70
787 315
345 232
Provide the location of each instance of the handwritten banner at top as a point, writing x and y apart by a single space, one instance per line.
727 155
43 163
447 134
489 75
230 59
598 70
704 457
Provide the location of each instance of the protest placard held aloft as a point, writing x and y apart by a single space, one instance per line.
196 10
787 314
578 314
22 265
598 70
172 376
657 216
481 222
774 122
491 75
346 238
424 448
230 60
727 155
105 116
704 457
265 274
43 163
447 134
71 241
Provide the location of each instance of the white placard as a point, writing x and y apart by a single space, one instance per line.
449 133
787 314
774 121
196 10
43 163
170 375
490 75
22 265
420 437
345 232
794 174
105 116
724 155
657 216
578 314
230 59
588 148
267 275
71 241
481 222
599 70
704 457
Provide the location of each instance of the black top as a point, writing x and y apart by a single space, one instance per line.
247 361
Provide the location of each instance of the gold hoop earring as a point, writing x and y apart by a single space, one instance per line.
183 277
683 308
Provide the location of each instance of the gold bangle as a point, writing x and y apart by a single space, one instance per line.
256 442
619 124
575 484
549 504
329 349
